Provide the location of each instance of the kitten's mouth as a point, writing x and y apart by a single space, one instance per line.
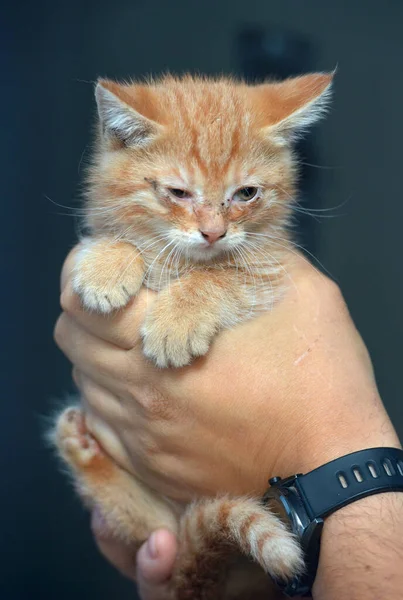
206 251
209 246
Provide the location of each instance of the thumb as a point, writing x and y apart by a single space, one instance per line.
155 562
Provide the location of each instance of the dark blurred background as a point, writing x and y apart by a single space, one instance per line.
51 52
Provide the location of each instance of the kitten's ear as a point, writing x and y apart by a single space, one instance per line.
123 112
291 106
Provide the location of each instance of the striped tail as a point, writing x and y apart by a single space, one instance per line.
214 532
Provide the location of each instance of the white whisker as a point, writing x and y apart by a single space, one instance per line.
284 243
309 210
254 247
170 253
150 268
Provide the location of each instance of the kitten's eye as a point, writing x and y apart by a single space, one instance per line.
246 193
178 193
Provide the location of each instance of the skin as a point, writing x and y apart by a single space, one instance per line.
295 387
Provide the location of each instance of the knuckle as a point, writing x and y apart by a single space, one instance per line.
319 285
332 291
151 451
69 301
332 299
154 403
59 332
132 376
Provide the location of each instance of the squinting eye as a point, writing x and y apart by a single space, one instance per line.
178 193
246 193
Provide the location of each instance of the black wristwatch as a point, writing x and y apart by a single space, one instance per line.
303 501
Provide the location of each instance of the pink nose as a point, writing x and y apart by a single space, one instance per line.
213 236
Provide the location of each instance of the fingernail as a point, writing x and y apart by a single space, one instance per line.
152 546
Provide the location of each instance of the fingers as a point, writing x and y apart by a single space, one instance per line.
67 269
120 328
155 559
104 414
155 562
97 398
97 358
122 556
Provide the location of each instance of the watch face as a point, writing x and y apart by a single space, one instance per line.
283 499
274 502
285 503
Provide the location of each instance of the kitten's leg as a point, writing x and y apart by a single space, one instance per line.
187 315
130 509
213 532
107 274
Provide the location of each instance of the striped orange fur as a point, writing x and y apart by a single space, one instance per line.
190 194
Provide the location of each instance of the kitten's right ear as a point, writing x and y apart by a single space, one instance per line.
119 118
289 107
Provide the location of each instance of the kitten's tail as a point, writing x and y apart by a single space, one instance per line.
211 530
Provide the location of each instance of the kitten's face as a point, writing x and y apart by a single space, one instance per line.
199 166
203 205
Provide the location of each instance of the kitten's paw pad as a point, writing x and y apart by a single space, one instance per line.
175 340
74 441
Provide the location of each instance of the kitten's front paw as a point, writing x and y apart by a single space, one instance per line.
103 296
173 335
107 275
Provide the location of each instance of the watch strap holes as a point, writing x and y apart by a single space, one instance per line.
388 467
357 474
342 479
373 469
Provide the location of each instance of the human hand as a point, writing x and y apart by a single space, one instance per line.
282 393
302 392
151 567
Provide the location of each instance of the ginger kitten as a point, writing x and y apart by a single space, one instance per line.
190 194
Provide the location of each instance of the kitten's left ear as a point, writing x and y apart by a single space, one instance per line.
291 106
127 113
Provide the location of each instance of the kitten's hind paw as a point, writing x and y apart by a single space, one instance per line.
76 445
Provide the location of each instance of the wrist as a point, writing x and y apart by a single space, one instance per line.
337 428
362 551
307 501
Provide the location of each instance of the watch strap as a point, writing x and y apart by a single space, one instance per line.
324 490
349 478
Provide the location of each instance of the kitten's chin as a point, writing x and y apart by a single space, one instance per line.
205 254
